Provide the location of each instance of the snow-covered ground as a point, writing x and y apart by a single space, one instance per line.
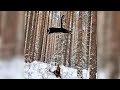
40 70
12 69
18 69
85 74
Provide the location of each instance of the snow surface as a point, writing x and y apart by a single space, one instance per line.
12 69
16 68
40 70
85 74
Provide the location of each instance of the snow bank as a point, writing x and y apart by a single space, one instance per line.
85 74
39 70
16 68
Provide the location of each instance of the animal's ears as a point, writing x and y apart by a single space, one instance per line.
63 15
48 30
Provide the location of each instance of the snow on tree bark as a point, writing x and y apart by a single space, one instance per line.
28 32
45 36
88 37
84 39
70 47
79 44
93 49
41 35
66 35
34 35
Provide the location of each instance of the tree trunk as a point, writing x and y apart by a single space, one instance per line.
34 35
45 49
70 49
28 32
66 35
79 44
88 37
41 35
93 50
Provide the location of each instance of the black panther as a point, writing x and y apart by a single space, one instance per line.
58 30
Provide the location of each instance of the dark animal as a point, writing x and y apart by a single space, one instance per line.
57 71
58 30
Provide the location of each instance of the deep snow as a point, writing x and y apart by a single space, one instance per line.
18 69
40 70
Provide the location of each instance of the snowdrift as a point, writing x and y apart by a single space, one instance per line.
40 70
18 69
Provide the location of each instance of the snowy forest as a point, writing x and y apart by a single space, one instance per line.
59 45
76 50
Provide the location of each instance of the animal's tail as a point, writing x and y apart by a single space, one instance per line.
50 70
61 21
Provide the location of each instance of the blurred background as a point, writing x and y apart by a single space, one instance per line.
108 42
11 34
12 44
